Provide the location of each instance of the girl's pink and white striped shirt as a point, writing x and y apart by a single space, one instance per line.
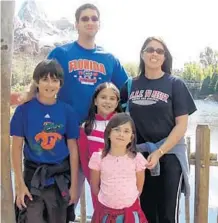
88 144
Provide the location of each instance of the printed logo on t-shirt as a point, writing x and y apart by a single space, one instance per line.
87 71
148 97
47 116
48 137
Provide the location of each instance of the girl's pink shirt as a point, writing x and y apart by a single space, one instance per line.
93 142
118 187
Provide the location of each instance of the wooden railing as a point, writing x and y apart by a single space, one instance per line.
202 159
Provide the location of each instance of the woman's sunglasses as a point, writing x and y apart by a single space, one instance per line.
87 18
152 50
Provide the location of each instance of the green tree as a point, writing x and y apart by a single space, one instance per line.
205 86
209 57
216 87
213 82
131 68
192 72
208 71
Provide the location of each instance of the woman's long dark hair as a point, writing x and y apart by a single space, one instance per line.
117 120
167 64
89 123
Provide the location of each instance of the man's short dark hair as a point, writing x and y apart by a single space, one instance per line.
51 67
84 7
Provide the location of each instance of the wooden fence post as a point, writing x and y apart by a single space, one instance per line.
187 199
202 162
83 205
7 21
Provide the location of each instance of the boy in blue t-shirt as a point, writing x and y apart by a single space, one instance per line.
48 128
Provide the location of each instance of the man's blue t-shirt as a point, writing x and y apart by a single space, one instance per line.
45 129
84 69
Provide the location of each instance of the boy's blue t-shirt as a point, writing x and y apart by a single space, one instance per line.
84 69
45 129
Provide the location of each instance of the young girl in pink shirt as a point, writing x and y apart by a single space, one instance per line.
117 174
105 103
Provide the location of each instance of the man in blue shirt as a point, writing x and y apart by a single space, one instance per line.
85 64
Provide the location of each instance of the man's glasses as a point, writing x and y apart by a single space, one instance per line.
87 18
152 50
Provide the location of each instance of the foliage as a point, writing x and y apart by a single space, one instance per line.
18 88
207 66
209 57
23 66
131 69
213 83
206 70
210 85
216 87
204 88
192 72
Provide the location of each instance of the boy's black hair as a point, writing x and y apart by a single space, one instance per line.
46 67
84 7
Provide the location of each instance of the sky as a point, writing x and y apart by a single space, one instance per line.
187 26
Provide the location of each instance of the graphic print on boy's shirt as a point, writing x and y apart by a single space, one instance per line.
48 137
86 71
148 97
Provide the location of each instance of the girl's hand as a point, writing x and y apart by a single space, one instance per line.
22 191
73 195
153 159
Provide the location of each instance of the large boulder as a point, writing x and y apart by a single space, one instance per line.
63 24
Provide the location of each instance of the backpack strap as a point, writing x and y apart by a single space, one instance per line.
129 87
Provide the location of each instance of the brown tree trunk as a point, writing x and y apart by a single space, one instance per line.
7 20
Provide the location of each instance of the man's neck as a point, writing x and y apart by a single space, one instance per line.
87 43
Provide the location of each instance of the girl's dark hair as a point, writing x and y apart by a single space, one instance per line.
89 123
51 67
167 64
117 120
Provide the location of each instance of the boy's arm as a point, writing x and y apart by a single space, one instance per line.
95 181
16 156
74 167
21 188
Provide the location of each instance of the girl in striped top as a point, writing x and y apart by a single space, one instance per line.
105 103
